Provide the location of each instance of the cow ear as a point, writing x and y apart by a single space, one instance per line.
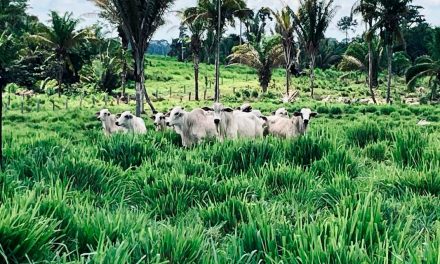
297 114
207 109
238 108
248 109
98 113
313 114
273 113
153 117
264 118
155 112
118 115
228 109
129 117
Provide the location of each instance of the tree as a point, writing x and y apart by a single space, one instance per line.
390 15
256 24
312 20
425 67
13 16
263 56
138 19
367 8
197 27
330 53
217 14
61 36
347 23
285 27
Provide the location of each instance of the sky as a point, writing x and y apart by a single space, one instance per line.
87 12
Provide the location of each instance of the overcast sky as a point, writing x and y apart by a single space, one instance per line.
86 11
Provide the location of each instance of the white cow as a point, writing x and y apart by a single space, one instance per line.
132 123
159 121
192 126
108 122
236 124
280 113
292 127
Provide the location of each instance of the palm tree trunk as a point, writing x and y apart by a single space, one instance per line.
312 73
196 76
60 75
217 61
123 75
390 74
370 72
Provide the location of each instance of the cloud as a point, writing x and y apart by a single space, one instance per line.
87 12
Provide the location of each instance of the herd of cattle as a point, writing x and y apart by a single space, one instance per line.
218 121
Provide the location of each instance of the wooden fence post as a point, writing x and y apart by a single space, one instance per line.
184 89
189 97
233 90
181 98
67 105
204 94
118 99
93 100
53 105
170 92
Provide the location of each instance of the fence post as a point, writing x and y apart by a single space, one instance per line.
184 89
22 103
233 90
181 98
170 92
204 94
105 100
189 97
53 105
118 98
67 106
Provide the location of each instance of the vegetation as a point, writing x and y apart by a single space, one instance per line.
361 186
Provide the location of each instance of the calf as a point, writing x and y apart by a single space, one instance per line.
108 122
292 127
131 123
159 121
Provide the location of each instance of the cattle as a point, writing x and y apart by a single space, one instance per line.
247 108
193 127
108 122
131 123
292 127
236 124
159 121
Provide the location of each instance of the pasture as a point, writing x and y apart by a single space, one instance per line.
361 187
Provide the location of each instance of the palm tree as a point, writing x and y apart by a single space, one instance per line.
346 24
263 56
217 14
312 20
285 27
61 36
367 8
390 13
256 24
425 67
138 19
197 27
